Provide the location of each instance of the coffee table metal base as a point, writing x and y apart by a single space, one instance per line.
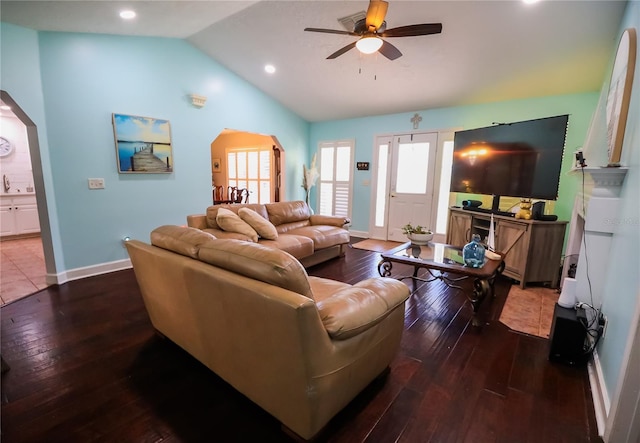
482 286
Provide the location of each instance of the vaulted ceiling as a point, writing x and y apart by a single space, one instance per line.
488 50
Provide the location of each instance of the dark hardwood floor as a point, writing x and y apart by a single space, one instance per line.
86 365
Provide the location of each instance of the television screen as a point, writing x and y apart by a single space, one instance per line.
521 159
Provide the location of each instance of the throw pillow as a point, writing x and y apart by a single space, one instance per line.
230 221
263 227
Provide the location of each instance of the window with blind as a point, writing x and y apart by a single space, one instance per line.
250 168
335 183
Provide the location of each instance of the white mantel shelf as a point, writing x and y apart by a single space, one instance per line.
607 181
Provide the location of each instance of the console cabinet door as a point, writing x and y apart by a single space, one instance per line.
459 229
513 238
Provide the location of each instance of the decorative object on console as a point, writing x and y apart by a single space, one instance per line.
473 253
417 234
525 209
471 203
491 238
143 144
620 94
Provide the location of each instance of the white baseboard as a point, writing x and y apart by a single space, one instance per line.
601 401
87 271
360 234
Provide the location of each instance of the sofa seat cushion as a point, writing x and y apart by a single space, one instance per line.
231 222
323 236
263 227
258 262
296 245
219 233
324 288
180 239
354 309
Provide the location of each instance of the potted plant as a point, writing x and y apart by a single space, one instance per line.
418 235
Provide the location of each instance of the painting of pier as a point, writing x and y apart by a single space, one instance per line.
143 144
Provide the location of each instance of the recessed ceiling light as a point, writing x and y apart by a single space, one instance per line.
269 69
127 14
530 2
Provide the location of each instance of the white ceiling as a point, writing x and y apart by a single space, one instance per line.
488 50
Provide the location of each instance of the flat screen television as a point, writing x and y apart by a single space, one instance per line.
520 159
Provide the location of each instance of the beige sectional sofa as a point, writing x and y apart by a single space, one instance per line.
300 347
309 238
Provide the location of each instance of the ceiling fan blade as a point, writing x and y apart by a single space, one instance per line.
413 30
376 13
339 52
389 51
330 31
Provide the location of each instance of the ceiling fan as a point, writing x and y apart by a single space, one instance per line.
373 27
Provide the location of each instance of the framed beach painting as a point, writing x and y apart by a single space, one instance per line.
143 144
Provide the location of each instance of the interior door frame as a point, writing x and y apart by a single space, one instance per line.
442 136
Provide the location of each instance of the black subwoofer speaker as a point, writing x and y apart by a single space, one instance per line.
568 337
537 210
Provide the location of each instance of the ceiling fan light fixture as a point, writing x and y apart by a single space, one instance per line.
369 44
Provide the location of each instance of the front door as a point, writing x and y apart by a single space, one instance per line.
411 184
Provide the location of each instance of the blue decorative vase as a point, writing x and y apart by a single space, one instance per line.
473 253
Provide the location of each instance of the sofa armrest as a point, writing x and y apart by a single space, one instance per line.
198 221
354 309
331 220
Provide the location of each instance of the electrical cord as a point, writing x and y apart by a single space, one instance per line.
594 320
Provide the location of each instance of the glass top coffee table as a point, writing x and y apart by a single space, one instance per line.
447 260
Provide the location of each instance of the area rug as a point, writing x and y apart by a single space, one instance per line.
529 310
376 245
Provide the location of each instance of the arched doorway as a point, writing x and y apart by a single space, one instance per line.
37 185
249 161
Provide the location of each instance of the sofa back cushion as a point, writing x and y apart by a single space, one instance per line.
258 262
180 239
262 226
212 212
231 222
288 212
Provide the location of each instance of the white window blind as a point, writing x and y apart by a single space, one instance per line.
336 164
250 168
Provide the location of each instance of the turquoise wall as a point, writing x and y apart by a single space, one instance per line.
621 295
20 77
580 107
87 77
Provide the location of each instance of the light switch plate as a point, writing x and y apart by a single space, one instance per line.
96 183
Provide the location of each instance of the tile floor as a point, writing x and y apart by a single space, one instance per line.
530 310
22 268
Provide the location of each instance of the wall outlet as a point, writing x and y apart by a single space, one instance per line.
602 326
96 183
